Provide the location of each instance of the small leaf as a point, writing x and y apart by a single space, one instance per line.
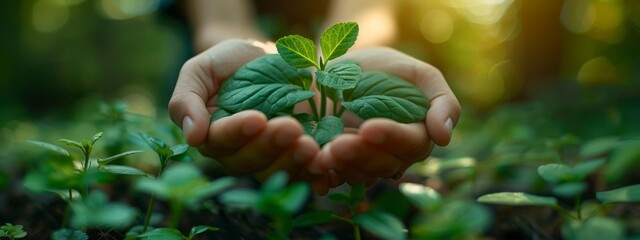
340 76
96 137
240 198
123 170
569 190
380 94
312 218
324 131
598 146
275 182
337 39
153 142
626 194
420 196
179 149
71 143
594 228
381 224
107 160
555 173
50 147
264 84
517 199
582 170
163 234
298 51
293 197
195 230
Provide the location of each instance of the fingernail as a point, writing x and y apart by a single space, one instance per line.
449 125
187 125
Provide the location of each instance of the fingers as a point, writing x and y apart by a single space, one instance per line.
261 151
408 142
351 152
198 82
229 134
298 154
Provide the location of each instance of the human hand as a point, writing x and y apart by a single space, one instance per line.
245 142
382 147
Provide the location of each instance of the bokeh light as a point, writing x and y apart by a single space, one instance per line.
597 71
49 15
437 26
124 9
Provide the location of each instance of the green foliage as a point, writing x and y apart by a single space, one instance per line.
174 234
517 199
69 234
96 211
11 231
381 224
594 228
379 94
274 84
50 147
626 194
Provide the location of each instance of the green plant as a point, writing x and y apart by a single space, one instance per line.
11 231
569 182
274 199
376 222
174 234
274 84
165 154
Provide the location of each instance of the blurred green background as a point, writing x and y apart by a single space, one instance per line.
575 62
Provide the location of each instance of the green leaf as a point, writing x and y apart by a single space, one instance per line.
96 137
155 143
517 199
598 146
381 224
12 231
337 39
569 190
107 160
582 170
71 143
323 131
240 198
69 234
49 147
293 197
96 211
313 218
420 196
275 182
264 84
626 194
622 161
123 170
163 234
195 230
179 149
380 94
457 219
340 76
594 228
555 173
298 51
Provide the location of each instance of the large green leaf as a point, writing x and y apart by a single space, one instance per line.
107 160
313 218
266 84
123 170
382 224
49 147
555 173
298 51
380 94
163 234
340 76
337 39
517 199
626 194
594 228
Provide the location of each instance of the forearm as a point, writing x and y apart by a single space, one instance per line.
214 21
377 19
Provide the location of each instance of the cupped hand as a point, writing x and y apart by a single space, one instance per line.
246 142
375 148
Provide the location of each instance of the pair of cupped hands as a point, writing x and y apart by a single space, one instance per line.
249 143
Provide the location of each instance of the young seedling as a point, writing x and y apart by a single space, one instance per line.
569 182
172 233
379 223
12 232
275 84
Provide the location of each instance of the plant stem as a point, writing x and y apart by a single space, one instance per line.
152 200
579 207
314 109
67 210
565 212
356 231
323 101
335 108
342 109
176 214
85 169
